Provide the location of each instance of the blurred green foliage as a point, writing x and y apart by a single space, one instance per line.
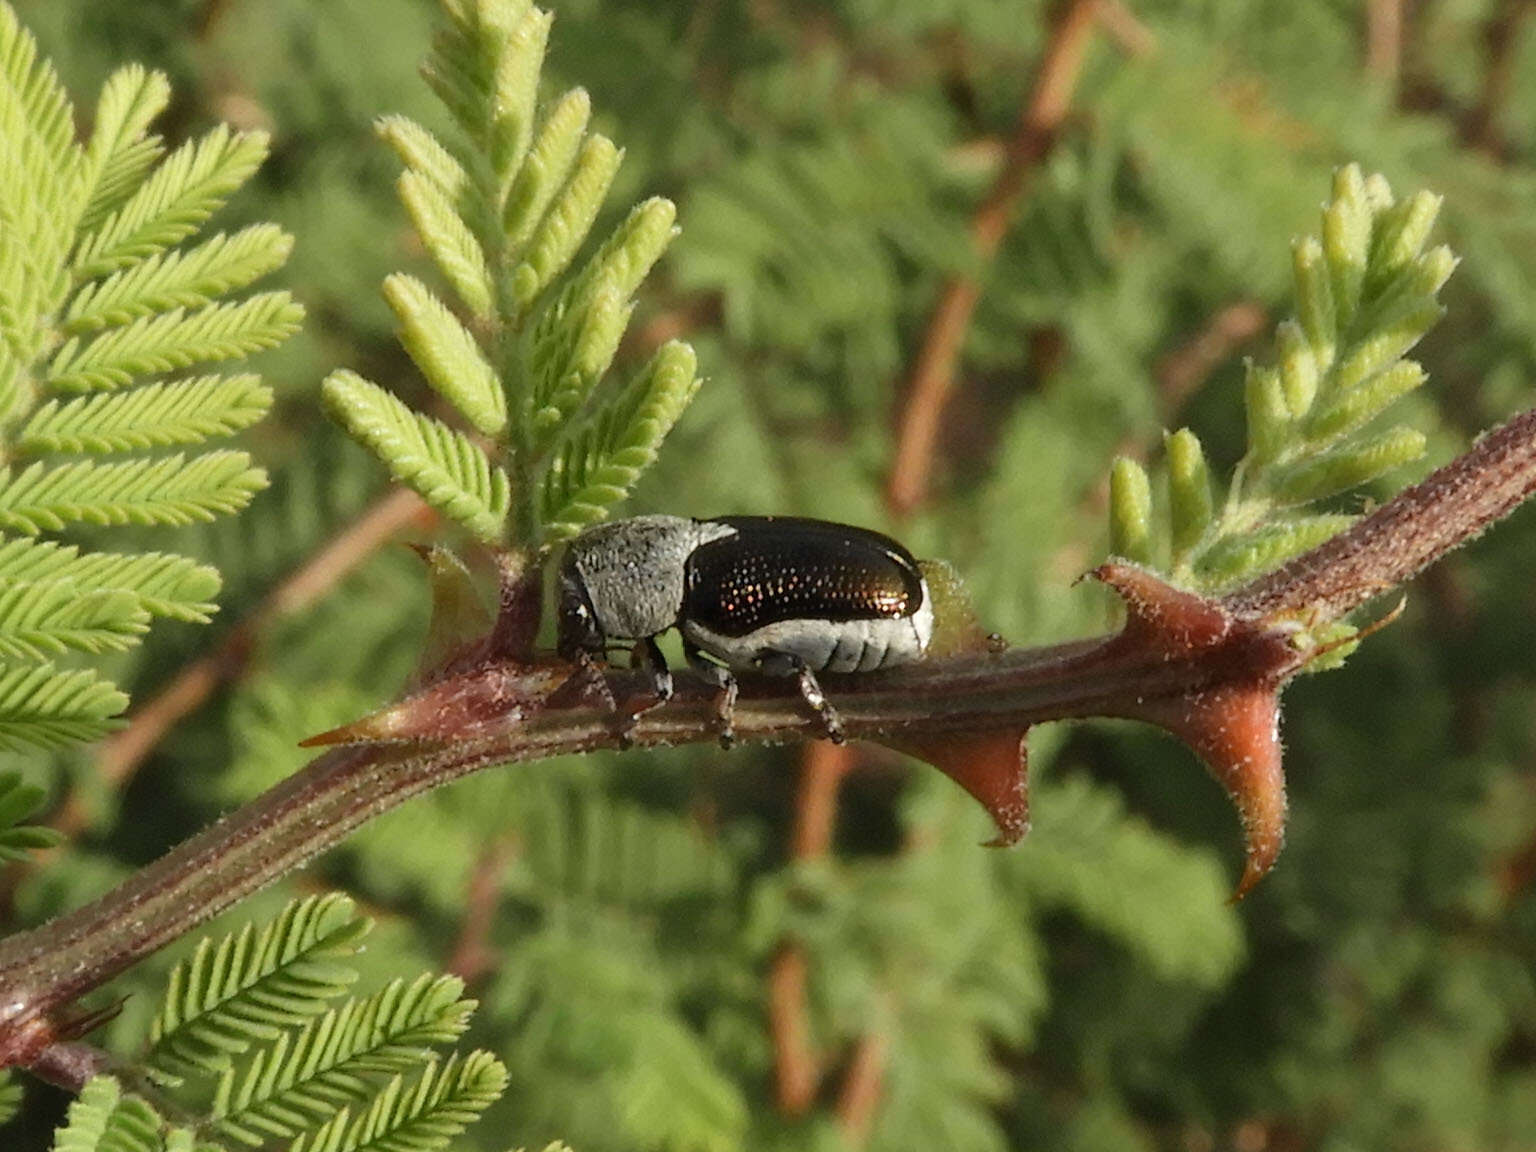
1089 989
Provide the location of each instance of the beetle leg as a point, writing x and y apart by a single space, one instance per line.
646 654
810 688
725 697
589 675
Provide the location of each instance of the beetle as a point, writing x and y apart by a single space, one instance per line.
773 595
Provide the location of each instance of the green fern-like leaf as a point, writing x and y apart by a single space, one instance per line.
576 337
154 416
46 707
567 220
548 165
572 356
305 1078
1090 857
164 585
596 467
95 295
1365 293
444 466
167 208
674 1094
1268 546
18 801
504 219
105 1119
243 989
10 1098
450 242
424 155
189 279
588 849
176 339
660 1085
416 1117
447 354
40 194
485 68
166 490
122 151
38 121
39 620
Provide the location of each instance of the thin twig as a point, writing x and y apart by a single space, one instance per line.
1181 372
1384 40
933 372
1123 26
123 753
797 1066
796 1063
1501 40
1177 656
472 958
859 1099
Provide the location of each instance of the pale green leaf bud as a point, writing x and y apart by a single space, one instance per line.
1346 240
1130 511
1387 345
1351 466
1298 368
1243 557
1189 491
1358 406
547 166
1314 299
1269 417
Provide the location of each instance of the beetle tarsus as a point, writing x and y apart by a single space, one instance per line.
810 688
647 655
589 674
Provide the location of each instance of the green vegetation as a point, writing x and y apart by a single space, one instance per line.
654 950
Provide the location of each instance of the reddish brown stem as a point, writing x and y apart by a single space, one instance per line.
821 778
797 1066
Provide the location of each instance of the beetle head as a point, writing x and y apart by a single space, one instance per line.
577 626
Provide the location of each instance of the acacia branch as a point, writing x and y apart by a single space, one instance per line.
1180 662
